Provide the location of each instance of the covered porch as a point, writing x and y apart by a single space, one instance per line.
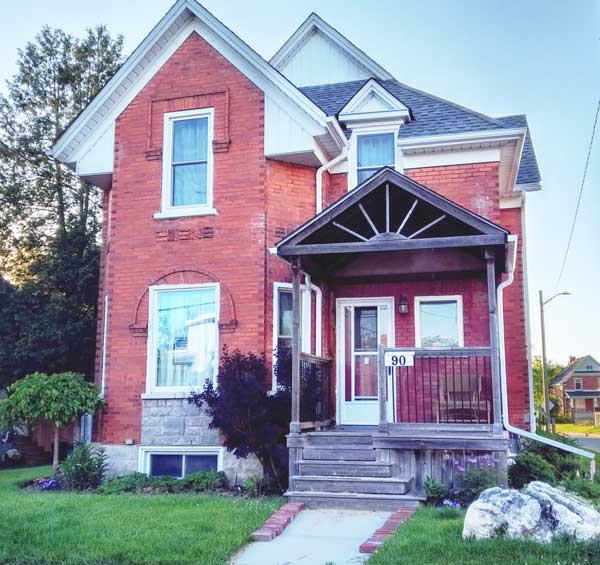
403 270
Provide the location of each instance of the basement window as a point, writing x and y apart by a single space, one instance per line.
178 463
187 178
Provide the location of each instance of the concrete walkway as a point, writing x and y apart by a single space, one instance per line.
316 537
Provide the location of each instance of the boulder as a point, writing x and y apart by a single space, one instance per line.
541 513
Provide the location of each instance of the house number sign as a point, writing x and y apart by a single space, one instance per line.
398 358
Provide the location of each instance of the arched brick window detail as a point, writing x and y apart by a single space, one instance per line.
228 319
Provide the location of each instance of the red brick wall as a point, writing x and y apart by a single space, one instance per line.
589 383
142 250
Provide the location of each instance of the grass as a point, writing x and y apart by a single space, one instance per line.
430 537
68 528
570 428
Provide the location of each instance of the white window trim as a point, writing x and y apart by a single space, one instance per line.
440 298
580 380
145 452
167 210
305 321
372 130
153 391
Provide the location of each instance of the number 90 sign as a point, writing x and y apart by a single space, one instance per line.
399 359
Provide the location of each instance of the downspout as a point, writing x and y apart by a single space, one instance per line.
337 133
503 381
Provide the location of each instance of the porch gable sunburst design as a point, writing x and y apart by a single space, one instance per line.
391 212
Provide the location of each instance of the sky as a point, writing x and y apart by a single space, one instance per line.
499 57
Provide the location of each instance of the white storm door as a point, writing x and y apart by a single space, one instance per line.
362 324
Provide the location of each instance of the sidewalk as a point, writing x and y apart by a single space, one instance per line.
316 537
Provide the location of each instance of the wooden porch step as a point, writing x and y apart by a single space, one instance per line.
339 453
345 468
336 438
358 501
351 485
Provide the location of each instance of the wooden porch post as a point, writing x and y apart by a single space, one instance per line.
490 259
296 297
381 385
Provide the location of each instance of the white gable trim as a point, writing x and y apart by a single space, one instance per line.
361 109
315 23
185 17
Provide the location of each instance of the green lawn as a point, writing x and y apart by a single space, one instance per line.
55 527
577 429
429 538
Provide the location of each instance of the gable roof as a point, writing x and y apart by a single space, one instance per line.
578 367
397 233
315 24
432 116
149 55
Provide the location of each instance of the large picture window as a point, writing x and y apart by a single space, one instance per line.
439 322
373 152
187 163
183 349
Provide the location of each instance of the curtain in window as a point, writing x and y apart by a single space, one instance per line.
189 162
186 337
374 152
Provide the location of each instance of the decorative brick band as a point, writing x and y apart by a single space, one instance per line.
387 530
276 523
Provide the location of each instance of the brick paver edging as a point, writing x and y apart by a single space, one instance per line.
277 522
387 530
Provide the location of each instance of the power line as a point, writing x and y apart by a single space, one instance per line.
585 170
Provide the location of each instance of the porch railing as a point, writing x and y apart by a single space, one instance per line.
315 391
450 386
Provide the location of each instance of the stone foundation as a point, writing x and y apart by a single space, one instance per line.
175 422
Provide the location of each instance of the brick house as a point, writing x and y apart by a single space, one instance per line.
328 207
577 387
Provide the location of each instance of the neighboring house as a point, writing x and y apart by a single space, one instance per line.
577 387
310 201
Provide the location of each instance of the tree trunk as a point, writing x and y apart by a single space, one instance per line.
55 451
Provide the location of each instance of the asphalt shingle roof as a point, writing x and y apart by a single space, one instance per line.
432 116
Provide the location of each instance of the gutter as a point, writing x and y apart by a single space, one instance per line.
503 381
336 132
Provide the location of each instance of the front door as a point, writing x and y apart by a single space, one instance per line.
362 324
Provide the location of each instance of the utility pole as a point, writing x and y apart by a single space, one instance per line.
544 370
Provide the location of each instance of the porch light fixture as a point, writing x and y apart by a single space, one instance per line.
403 305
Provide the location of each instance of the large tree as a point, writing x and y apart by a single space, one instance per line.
49 219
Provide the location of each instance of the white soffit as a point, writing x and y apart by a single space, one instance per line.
184 18
316 53
446 158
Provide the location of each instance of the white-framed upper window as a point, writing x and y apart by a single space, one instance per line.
283 319
178 461
187 179
372 147
578 384
374 151
439 321
183 338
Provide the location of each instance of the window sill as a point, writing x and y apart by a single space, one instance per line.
186 213
168 394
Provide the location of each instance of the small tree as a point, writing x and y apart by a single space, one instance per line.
251 419
59 398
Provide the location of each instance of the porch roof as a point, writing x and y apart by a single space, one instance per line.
390 212
582 393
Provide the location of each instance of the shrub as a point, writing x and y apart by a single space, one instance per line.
260 486
436 492
474 481
140 483
529 467
206 481
84 468
585 488
251 420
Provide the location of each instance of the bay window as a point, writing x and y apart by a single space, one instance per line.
183 334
